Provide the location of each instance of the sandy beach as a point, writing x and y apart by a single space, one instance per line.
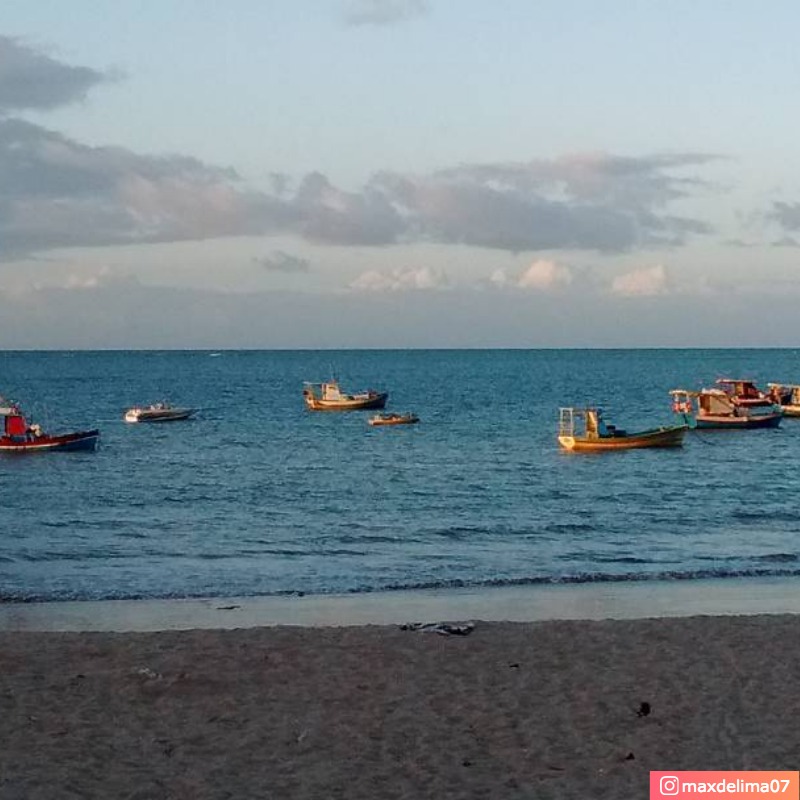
512 710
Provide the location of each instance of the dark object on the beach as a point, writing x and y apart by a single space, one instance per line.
227 608
644 709
513 666
629 757
443 628
466 763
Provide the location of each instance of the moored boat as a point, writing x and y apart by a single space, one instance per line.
717 409
158 412
744 393
18 436
393 419
787 396
583 429
329 397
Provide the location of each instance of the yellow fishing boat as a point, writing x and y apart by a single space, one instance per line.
584 429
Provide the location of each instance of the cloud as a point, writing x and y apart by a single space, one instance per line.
599 202
786 215
399 280
57 192
785 241
32 80
645 282
383 12
542 275
157 317
278 261
60 193
327 215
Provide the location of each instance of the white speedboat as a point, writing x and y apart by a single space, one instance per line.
158 412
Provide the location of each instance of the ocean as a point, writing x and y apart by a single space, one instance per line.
257 496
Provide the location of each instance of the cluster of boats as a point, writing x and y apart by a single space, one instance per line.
731 404
328 396
18 435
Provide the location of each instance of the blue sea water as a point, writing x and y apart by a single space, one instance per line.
258 496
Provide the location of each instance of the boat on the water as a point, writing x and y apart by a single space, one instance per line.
393 419
584 429
717 409
329 397
744 393
787 396
158 412
18 436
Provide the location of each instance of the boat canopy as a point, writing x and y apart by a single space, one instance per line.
741 388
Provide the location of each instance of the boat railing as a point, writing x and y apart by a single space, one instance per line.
566 422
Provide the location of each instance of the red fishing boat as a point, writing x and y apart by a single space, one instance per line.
17 436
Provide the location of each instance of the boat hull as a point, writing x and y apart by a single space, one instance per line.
171 415
347 404
723 422
82 440
659 437
400 420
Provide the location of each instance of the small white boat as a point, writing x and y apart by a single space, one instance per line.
158 412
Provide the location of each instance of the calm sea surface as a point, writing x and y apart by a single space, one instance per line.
258 496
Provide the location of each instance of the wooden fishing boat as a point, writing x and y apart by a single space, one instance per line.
393 419
718 410
329 397
787 396
17 436
583 429
157 412
744 393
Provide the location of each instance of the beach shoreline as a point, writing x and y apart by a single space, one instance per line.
519 603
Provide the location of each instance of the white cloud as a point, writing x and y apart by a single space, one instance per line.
544 276
645 282
399 280
103 277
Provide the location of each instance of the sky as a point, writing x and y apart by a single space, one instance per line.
399 173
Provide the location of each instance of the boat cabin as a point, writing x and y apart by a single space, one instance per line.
744 393
585 422
324 391
15 426
715 402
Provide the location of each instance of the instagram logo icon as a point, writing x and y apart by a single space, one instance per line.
669 785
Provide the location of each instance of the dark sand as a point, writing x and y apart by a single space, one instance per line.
513 710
